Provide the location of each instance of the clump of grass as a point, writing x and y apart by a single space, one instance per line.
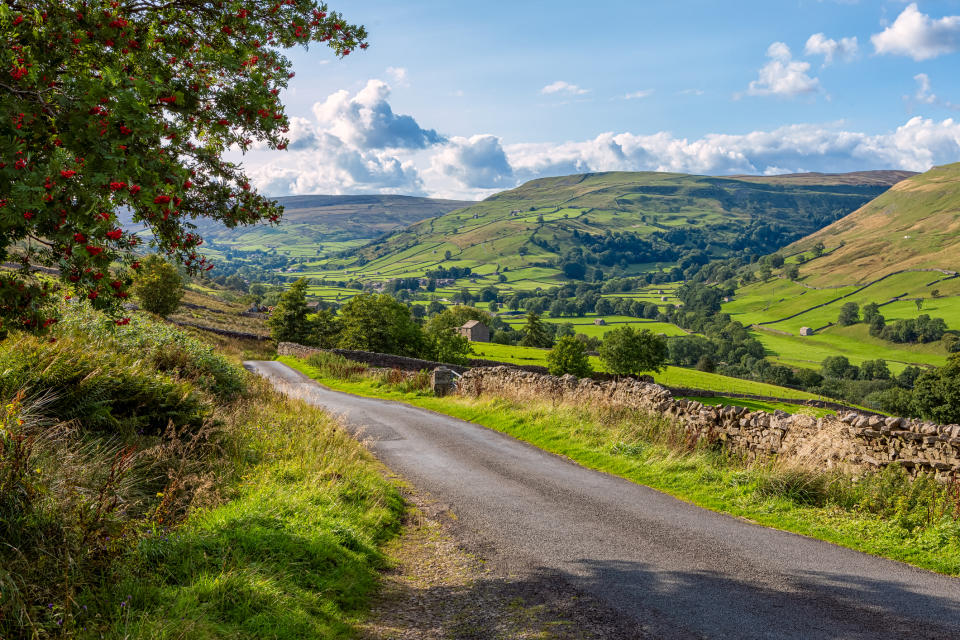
336 366
150 488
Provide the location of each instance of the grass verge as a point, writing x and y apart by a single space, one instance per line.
151 488
885 514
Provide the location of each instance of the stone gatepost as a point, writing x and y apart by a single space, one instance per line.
441 381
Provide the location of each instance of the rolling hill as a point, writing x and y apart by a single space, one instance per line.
914 225
319 225
626 221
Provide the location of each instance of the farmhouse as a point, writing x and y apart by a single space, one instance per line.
475 331
806 331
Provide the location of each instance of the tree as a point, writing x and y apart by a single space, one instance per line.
379 323
158 286
839 367
450 347
792 271
870 311
919 303
112 105
288 322
936 393
818 249
569 355
849 314
447 254
626 351
535 334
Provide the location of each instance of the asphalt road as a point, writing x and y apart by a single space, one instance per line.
684 572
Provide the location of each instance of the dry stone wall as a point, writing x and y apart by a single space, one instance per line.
849 441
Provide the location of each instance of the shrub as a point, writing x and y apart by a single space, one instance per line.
569 355
158 286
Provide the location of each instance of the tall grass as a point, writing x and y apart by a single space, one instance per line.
151 488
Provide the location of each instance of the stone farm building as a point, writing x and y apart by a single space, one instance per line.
475 331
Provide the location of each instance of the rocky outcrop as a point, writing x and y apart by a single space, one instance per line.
850 441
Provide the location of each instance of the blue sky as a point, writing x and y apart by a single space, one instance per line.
464 99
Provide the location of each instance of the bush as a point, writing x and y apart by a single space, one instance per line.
102 389
569 355
158 286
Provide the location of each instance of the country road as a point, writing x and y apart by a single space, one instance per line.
682 571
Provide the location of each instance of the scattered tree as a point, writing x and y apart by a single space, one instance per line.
849 314
936 393
377 322
626 351
288 321
535 334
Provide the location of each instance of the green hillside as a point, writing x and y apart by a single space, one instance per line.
914 225
619 222
319 225
900 251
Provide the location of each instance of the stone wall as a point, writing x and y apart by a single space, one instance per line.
389 361
850 441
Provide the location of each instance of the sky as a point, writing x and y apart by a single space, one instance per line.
459 99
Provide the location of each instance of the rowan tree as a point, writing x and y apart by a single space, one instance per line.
132 104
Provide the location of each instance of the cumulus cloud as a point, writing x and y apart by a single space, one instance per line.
563 87
636 95
367 121
820 45
783 76
917 145
478 162
919 36
333 167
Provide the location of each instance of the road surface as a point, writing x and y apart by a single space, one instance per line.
683 571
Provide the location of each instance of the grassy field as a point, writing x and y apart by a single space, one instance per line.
879 514
778 298
671 376
586 326
915 224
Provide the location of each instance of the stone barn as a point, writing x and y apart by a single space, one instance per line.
600 322
806 331
475 331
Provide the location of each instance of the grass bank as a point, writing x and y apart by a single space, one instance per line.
151 488
885 514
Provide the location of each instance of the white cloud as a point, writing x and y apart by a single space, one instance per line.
918 35
334 153
783 76
398 75
636 95
333 167
367 121
563 87
924 94
692 92
917 145
819 45
477 162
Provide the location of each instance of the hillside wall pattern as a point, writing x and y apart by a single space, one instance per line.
850 441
